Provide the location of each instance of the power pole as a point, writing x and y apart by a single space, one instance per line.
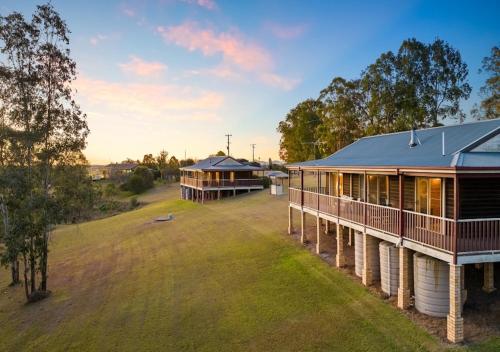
228 142
253 151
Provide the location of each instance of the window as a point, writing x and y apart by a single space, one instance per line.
377 189
429 196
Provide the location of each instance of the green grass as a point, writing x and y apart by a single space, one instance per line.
222 277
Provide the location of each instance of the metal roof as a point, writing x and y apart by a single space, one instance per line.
275 174
393 150
216 163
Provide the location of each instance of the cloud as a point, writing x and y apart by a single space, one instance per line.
278 81
139 67
128 11
149 101
208 4
285 32
98 38
235 51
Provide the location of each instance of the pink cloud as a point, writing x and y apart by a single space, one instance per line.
236 52
286 32
148 101
127 11
246 55
139 67
278 81
208 4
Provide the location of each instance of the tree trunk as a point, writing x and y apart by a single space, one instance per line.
43 264
14 267
26 282
32 263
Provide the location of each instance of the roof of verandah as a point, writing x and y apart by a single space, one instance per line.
220 163
393 150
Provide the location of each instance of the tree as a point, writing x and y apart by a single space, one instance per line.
49 130
490 105
220 153
150 162
419 86
343 106
186 162
299 135
161 161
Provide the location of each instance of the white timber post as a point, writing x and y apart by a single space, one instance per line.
290 220
318 233
302 227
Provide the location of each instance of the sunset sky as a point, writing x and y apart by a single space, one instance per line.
179 74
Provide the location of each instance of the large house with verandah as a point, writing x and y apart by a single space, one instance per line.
219 176
431 196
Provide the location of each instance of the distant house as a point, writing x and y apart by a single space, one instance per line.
113 170
431 196
98 172
217 177
118 170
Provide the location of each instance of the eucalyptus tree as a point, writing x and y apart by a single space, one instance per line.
299 133
490 91
48 126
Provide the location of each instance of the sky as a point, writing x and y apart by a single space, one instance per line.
177 75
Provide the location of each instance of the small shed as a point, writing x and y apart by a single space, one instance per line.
277 181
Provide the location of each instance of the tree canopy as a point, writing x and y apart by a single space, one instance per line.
420 85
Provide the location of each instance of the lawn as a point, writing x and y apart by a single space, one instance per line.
223 276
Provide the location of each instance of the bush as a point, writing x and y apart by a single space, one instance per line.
110 190
141 180
266 182
134 203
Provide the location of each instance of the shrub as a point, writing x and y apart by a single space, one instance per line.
266 182
134 203
141 180
110 190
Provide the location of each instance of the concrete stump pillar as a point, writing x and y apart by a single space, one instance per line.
404 278
368 243
327 227
340 257
290 220
454 320
489 284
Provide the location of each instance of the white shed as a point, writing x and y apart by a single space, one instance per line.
277 181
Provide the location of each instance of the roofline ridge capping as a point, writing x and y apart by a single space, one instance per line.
431 128
478 141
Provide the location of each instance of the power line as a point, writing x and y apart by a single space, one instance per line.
228 142
253 151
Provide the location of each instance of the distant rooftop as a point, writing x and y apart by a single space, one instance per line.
475 144
220 163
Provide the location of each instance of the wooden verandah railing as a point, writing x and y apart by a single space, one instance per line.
444 234
221 183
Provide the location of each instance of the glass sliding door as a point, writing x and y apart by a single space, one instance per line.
429 196
435 201
422 195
